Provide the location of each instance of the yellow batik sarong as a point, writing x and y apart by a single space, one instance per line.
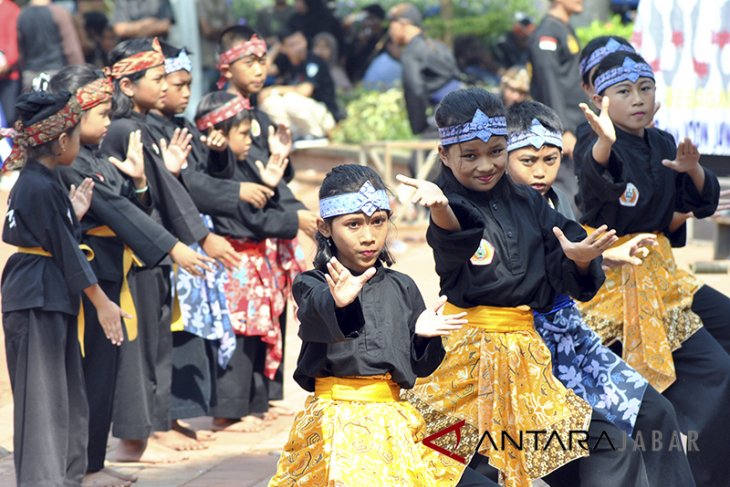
497 376
355 432
648 308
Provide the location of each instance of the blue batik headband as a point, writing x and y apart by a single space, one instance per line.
597 56
179 63
481 126
368 200
537 136
630 70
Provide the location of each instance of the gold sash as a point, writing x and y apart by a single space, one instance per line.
363 389
80 320
125 296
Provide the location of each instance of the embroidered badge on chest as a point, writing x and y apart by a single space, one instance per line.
630 196
484 254
312 70
573 46
255 128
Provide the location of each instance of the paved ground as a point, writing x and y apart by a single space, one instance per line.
249 459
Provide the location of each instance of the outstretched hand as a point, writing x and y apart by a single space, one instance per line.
272 173
583 252
632 252
280 140
133 165
601 124
215 139
431 323
175 154
343 285
427 193
81 197
687 159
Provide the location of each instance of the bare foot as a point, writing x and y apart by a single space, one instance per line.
247 424
177 441
103 479
120 475
200 435
280 410
139 451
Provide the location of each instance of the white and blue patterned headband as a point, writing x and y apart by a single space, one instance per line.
597 56
630 70
537 136
179 63
368 200
481 126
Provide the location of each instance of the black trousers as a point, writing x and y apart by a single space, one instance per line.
238 390
50 417
714 309
275 386
100 363
700 396
192 375
613 461
142 394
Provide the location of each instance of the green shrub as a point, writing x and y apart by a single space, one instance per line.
597 28
374 116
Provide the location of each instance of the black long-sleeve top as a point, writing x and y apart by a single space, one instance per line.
428 65
41 215
211 195
528 266
171 203
259 151
554 54
115 204
661 191
374 335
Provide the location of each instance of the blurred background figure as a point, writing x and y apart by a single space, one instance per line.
9 72
142 18
271 20
98 39
476 61
365 34
47 40
312 17
511 48
514 86
213 18
325 46
385 71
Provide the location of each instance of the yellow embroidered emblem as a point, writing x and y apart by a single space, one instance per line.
573 46
484 254
255 128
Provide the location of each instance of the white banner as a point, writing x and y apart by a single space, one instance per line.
687 42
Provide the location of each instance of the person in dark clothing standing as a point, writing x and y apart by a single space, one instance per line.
554 57
429 66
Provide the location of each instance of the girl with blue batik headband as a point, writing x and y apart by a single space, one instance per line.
673 329
366 335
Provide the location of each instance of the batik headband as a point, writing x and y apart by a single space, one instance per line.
253 46
597 56
181 62
630 70
229 110
95 93
138 62
39 133
481 126
537 136
368 200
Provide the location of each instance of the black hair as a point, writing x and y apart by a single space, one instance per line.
170 51
36 106
521 115
122 105
72 78
213 101
595 44
458 107
347 178
614 60
233 35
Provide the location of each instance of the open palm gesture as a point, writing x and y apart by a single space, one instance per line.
133 165
687 159
280 141
343 285
427 193
589 248
81 197
601 124
272 173
431 323
175 154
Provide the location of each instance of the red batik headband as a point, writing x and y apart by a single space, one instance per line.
138 62
95 93
253 46
40 133
228 110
